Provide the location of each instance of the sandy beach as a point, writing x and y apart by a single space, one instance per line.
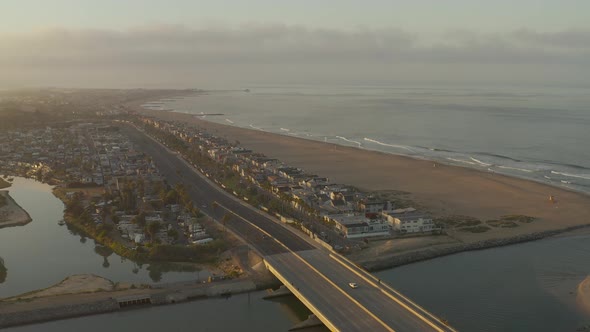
12 214
75 284
442 190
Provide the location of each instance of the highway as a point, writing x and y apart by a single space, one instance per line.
176 170
312 274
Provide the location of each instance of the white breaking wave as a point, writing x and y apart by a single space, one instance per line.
481 163
546 177
253 127
462 161
230 121
390 145
566 182
517 169
348 140
579 176
285 129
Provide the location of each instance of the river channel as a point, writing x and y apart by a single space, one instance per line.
42 253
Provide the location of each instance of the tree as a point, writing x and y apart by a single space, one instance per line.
153 228
171 197
173 233
139 219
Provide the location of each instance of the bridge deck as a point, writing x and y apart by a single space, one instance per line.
321 282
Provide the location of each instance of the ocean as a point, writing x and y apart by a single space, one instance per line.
537 133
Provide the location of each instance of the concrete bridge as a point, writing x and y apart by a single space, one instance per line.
320 280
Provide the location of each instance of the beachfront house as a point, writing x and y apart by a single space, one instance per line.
410 221
358 226
373 207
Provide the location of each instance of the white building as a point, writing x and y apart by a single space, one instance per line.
411 222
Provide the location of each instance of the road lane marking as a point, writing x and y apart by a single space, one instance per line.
315 270
343 292
315 310
391 289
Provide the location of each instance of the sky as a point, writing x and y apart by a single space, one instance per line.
223 44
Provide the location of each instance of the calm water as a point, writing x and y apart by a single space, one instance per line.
526 287
42 253
537 133
245 312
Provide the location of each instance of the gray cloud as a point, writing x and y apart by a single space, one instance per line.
277 51
179 45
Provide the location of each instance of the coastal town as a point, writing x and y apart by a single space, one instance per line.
140 204
97 155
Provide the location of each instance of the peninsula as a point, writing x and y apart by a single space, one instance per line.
11 214
453 195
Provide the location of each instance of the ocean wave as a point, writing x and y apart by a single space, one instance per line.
579 176
390 145
546 177
285 129
517 169
572 166
257 128
462 161
230 121
479 162
349 140
496 156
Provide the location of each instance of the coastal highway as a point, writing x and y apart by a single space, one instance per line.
203 192
319 280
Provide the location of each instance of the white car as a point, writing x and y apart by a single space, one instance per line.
353 285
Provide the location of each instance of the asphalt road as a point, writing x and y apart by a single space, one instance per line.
322 281
204 194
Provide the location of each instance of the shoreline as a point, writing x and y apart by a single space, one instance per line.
419 255
12 214
444 190
416 157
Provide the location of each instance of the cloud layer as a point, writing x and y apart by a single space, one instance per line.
172 47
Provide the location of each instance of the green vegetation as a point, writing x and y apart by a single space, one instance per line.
457 221
79 219
3 271
519 218
475 229
502 223
207 253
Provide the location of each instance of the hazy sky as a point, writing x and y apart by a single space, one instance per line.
123 43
